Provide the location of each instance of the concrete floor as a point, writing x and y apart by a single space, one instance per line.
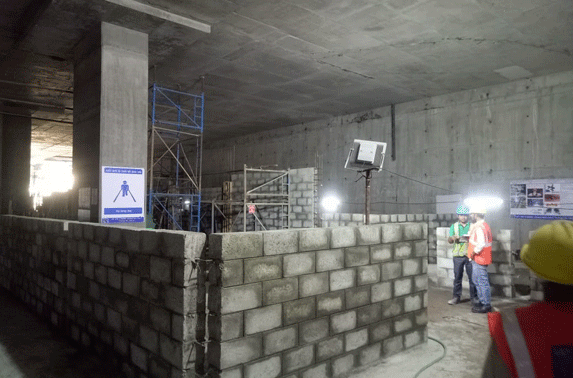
29 349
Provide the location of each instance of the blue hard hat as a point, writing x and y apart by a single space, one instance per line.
462 210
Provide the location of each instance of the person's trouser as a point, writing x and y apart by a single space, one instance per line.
481 281
459 264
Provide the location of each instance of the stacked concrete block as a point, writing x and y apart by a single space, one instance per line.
433 221
129 294
302 193
506 276
316 302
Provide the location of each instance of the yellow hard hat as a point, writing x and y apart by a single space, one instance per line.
550 252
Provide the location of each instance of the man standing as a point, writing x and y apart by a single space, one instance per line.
458 237
536 341
479 251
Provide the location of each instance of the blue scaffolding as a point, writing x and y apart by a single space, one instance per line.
175 139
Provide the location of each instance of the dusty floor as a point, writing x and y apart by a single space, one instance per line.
29 349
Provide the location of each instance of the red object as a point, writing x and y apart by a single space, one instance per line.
484 257
252 209
543 325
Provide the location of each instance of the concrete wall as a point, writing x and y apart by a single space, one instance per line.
129 294
433 221
507 277
472 140
317 302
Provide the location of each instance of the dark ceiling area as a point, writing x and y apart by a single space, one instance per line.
273 63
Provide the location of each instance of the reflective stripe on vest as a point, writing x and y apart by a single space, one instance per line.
516 343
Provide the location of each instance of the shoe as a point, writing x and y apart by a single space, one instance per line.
483 309
454 301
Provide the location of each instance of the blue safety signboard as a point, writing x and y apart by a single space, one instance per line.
122 195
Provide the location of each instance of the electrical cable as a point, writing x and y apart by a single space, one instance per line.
434 361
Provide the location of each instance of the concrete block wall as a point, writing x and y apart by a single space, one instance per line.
314 302
506 277
433 221
302 190
129 294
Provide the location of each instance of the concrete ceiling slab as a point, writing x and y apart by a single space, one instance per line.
274 63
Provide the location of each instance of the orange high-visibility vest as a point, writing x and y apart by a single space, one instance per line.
484 257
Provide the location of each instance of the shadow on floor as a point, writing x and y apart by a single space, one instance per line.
29 348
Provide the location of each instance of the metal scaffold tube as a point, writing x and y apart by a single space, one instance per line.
174 173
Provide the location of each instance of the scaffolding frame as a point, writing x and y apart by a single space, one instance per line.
174 176
252 198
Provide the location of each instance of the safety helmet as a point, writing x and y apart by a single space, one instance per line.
550 252
462 210
478 209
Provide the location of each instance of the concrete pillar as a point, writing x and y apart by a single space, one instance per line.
16 138
110 111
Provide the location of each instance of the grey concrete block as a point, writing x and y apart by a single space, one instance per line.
95 253
122 260
411 267
160 269
381 253
381 291
299 310
343 237
403 323
421 249
392 307
413 231
370 354
263 269
270 367
235 245
160 319
299 263
368 235
329 260
239 298
279 242
313 284
314 239
380 330
232 272
330 347
342 279
356 256
403 250
232 327
263 319
108 256
367 274
368 314
280 290
402 287
391 270
114 278
391 233
280 340
342 322
100 272
139 357
298 358
356 339
329 303
149 339
313 330
358 296
130 284
342 364
318 371
392 345
413 338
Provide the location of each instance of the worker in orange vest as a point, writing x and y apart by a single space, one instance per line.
479 251
537 340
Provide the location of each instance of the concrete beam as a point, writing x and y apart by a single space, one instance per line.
160 13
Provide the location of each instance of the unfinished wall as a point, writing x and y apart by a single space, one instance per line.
461 142
508 278
317 302
433 221
129 294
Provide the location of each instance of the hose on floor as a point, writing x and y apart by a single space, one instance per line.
436 360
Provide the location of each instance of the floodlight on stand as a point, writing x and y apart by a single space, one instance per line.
366 156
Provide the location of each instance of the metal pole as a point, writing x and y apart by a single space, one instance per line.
367 197
244 197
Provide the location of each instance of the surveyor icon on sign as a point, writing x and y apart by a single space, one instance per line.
124 190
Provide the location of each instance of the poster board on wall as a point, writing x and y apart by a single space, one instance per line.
541 199
122 195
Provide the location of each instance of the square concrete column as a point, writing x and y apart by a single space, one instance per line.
110 113
15 142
